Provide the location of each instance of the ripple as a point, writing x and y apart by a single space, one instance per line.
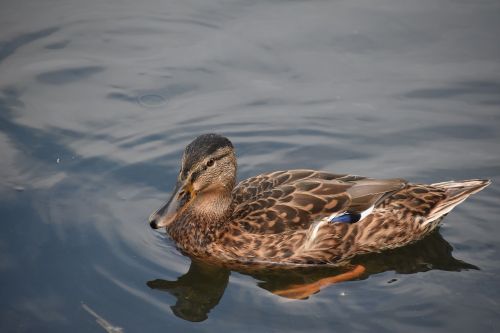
458 89
68 75
151 100
9 47
57 45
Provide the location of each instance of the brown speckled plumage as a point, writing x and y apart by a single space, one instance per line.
283 217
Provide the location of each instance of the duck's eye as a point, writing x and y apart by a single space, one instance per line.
210 163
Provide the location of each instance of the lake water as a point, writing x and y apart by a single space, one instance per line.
98 100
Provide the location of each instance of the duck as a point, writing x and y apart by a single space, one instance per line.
293 218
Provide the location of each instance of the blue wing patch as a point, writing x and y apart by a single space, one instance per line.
351 217
346 218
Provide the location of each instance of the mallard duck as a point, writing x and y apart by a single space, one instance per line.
295 217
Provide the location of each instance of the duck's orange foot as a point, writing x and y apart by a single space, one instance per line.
303 291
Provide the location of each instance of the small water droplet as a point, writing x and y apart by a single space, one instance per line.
18 188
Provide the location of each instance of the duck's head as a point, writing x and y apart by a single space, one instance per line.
205 181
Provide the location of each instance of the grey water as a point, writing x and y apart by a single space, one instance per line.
99 98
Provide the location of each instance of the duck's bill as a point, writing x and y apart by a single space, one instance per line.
164 216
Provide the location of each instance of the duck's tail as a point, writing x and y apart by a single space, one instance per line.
455 193
411 214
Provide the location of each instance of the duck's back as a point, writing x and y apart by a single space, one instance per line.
292 200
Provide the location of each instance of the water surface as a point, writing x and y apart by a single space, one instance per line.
98 100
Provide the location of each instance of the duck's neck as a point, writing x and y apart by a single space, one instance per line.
213 206
203 221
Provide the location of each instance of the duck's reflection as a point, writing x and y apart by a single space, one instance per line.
201 288
197 292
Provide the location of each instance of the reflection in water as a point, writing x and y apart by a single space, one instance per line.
201 288
197 292
101 321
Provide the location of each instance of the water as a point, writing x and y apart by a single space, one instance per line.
97 101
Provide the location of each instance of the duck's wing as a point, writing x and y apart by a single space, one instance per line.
292 200
255 187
